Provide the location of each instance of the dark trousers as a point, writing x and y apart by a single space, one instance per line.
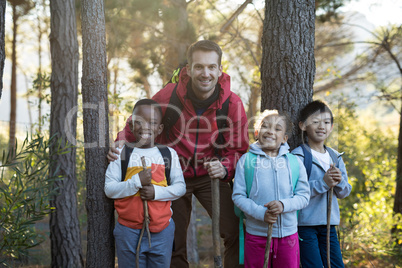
229 222
313 247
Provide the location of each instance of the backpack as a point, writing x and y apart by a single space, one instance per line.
308 157
249 166
173 114
166 155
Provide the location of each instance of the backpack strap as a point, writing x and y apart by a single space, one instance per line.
249 168
333 155
167 159
308 158
125 157
172 113
221 120
166 155
294 167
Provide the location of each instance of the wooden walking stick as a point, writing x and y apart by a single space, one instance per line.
329 206
216 239
268 246
145 224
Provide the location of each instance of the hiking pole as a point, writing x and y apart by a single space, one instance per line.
329 206
215 223
268 246
146 212
145 224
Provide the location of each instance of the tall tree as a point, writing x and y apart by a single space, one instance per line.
65 235
100 250
288 66
2 46
19 8
41 79
179 33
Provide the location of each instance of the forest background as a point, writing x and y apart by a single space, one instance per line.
358 72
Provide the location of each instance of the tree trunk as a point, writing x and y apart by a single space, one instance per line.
181 36
13 86
147 86
2 42
65 234
100 250
40 97
288 66
398 188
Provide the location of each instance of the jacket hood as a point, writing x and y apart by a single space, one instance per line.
223 81
256 149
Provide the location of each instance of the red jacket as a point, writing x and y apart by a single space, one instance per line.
193 136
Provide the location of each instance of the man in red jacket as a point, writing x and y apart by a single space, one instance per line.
202 89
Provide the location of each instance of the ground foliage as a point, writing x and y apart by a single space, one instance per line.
366 215
26 187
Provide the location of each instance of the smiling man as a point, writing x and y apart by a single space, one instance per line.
203 89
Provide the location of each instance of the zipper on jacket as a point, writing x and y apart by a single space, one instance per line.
276 180
195 147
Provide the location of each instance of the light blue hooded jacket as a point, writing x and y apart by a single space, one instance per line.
272 181
316 211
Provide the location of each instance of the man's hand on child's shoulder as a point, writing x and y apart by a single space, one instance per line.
113 153
147 192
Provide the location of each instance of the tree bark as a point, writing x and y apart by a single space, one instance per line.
65 234
181 36
13 86
288 65
2 42
100 250
398 188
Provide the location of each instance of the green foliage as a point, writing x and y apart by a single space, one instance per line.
327 9
26 187
366 215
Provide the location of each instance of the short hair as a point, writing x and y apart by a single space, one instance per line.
204 45
314 107
266 113
149 102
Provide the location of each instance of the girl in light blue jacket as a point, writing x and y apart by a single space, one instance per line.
272 198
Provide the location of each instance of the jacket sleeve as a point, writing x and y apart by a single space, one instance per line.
239 195
236 137
343 188
301 195
126 133
177 187
114 187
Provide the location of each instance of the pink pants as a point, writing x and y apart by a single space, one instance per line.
284 252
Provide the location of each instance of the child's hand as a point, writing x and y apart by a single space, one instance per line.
269 217
274 208
147 192
145 177
333 176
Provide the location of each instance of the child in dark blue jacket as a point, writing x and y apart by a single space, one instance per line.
326 170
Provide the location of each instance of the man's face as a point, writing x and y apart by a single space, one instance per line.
146 125
204 72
